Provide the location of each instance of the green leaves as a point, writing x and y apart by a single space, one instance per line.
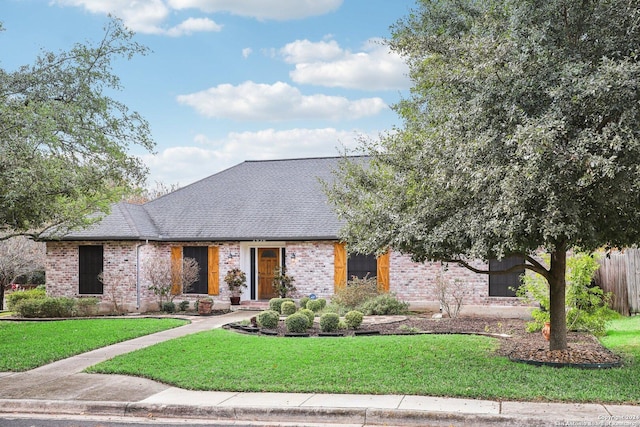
64 142
521 132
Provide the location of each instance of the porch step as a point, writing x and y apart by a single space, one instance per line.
251 306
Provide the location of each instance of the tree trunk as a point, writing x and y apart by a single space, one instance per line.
557 289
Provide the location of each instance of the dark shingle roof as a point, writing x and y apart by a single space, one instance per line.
255 200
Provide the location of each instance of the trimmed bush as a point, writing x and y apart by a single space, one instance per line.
329 322
168 307
314 305
353 319
323 303
288 308
297 323
303 302
46 307
384 304
183 306
310 315
275 304
268 319
15 297
342 325
86 306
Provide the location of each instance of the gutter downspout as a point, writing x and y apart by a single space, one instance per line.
138 273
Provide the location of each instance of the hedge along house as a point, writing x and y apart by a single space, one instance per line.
256 216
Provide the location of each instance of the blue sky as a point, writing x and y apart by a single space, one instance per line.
234 80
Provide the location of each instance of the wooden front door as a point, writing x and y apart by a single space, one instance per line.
268 261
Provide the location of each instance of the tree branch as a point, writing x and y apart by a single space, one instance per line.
533 266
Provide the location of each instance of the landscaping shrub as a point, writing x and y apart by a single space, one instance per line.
283 283
15 297
168 307
46 307
310 315
183 306
275 304
342 325
353 319
303 302
268 319
384 304
288 308
323 303
329 322
86 306
588 306
297 323
314 305
356 293
335 308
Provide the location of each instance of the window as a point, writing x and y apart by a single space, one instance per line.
359 266
201 255
500 284
90 266
362 266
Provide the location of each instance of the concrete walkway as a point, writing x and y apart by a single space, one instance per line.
62 388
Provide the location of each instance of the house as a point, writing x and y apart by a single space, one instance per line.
256 216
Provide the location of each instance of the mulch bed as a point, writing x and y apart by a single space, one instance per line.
584 350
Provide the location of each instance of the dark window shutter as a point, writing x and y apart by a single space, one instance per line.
201 255
91 259
500 284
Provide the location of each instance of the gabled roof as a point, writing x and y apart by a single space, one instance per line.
255 200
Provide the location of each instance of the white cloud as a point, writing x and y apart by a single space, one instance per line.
326 64
246 52
145 16
279 10
304 51
276 102
193 25
187 164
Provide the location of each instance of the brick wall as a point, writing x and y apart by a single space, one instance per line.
312 267
119 279
310 264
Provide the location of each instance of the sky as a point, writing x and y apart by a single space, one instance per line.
232 80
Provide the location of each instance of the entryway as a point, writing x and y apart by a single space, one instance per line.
268 261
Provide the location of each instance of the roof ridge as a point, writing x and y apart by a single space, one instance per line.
125 208
304 158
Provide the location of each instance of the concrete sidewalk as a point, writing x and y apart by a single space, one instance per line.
62 388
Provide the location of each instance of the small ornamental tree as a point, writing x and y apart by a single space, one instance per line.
18 256
283 283
521 133
170 278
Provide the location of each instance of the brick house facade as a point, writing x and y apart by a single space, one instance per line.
239 219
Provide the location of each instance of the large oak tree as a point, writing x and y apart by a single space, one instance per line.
64 140
521 133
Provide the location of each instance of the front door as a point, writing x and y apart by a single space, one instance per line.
268 261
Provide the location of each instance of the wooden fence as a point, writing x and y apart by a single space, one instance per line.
620 274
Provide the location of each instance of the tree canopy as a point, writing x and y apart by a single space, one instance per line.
64 140
521 132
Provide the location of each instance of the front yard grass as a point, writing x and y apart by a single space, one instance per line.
436 365
27 345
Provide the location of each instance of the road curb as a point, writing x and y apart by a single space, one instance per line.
351 416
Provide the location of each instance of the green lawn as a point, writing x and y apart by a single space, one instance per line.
27 345
437 365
